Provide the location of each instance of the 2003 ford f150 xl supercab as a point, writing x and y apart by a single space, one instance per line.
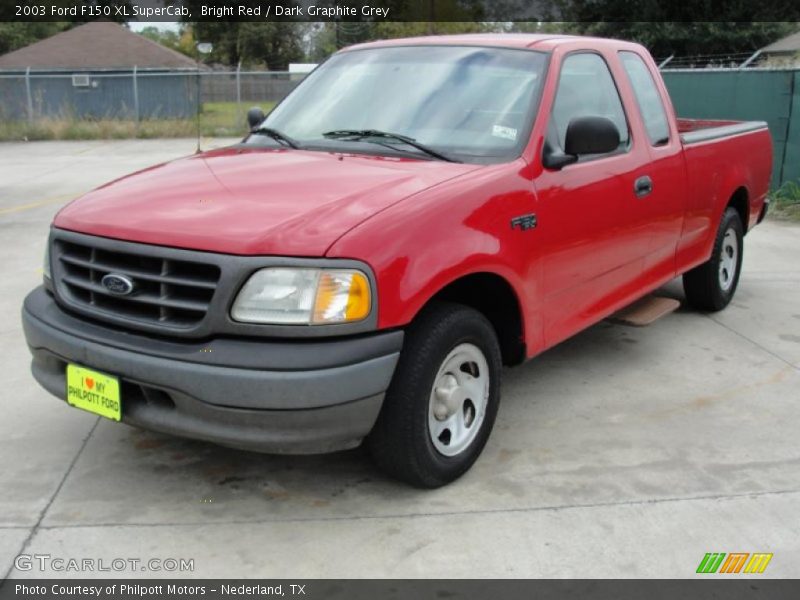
414 215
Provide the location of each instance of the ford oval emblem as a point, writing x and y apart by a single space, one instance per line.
119 285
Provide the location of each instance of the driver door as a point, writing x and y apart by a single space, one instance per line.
594 232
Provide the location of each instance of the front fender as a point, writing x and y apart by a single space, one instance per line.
426 242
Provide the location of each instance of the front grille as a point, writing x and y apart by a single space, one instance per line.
167 291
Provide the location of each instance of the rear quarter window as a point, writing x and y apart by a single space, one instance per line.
647 98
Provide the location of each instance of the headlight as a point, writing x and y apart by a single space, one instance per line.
284 296
46 263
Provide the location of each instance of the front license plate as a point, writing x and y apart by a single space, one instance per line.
95 392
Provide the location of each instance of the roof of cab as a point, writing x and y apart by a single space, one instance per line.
538 41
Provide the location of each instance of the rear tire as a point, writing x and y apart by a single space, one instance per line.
441 405
711 286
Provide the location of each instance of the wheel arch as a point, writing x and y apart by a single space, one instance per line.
496 298
739 200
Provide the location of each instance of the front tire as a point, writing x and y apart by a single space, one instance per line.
441 405
711 286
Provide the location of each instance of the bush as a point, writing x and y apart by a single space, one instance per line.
786 200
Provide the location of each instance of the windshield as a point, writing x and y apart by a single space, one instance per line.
467 102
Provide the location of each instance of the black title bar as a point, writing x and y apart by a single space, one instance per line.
395 10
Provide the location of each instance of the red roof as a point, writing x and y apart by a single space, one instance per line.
513 40
540 41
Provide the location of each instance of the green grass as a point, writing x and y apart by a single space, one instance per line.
786 201
217 119
227 118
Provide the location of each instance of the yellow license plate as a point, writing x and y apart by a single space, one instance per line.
95 392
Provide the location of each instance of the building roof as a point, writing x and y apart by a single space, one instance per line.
95 45
791 43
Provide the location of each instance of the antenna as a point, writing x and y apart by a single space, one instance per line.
202 48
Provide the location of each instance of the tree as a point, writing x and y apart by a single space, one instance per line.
262 44
17 34
270 44
690 38
326 38
393 29
683 29
181 41
658 11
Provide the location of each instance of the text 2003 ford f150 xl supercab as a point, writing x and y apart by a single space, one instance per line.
414 215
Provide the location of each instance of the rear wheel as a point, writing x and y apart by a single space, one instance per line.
441 405
711 286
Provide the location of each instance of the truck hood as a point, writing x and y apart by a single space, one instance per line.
252 201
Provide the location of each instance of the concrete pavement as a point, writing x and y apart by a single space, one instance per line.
623 452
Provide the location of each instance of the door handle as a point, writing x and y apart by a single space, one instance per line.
643 186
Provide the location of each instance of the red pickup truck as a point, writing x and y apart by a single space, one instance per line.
416 214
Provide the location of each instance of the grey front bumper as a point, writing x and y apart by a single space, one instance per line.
304 396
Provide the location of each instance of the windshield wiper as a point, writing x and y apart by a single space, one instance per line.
360 134
276 135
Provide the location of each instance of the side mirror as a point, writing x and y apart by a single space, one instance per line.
254 117
591 135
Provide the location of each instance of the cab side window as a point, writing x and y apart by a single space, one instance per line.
585 89
647 98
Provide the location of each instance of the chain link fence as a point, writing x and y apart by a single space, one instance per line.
142 101
731 60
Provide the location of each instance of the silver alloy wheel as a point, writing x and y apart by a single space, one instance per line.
729 257
458 400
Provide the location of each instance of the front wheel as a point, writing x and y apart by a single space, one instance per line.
711 286
442 402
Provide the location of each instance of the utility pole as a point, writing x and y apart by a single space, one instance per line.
202 48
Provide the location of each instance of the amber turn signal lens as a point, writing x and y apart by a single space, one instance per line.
342 296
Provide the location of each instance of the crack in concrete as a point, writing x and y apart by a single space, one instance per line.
36 526
756 344
496 511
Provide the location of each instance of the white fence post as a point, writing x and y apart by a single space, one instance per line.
753 56
28 92
135 94
666 61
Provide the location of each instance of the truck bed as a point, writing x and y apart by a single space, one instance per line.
721 156
702 130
